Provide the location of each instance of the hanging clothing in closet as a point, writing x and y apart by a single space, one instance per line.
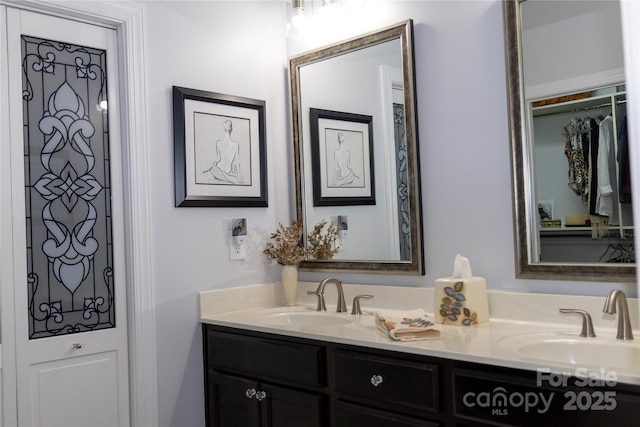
606 199
578 164
624 189
603 200
592 133
590 150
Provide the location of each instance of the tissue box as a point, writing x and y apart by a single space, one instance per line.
461 301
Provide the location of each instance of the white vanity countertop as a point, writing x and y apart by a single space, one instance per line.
513 316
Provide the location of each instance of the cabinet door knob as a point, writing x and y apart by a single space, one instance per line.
261 395
376 380
250 392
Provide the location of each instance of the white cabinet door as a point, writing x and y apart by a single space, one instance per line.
66 229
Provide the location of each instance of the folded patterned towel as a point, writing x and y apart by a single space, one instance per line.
406 325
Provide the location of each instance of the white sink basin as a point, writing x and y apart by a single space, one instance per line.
307 318
569 348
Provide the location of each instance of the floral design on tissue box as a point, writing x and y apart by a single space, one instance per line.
453 308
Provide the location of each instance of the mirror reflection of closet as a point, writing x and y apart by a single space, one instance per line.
574 90
583 178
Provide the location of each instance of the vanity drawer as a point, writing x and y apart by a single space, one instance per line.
282 360
347 414
392 383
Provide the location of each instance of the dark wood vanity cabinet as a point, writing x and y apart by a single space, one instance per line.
487 395
373 389
259 379
256 380
237 401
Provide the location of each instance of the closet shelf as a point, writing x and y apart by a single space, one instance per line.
614 231
591 103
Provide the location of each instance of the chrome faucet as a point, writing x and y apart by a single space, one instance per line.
587 324
617 297
319 292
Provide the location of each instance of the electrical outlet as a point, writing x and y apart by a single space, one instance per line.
236 252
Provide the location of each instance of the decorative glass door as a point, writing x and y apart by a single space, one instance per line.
66 233
67 191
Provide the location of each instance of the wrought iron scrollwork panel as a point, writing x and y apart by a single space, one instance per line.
67 188
402 179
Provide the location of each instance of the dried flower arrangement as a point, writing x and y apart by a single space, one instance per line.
323 246
286 247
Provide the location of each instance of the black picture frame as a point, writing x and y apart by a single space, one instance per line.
342 141
219 150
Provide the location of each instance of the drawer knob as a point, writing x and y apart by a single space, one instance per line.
77 345
261 395
250 392
376 380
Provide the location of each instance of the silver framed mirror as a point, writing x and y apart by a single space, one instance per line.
577 96
359 94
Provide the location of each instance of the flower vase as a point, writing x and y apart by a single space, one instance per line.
290 283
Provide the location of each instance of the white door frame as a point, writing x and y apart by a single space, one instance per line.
126 18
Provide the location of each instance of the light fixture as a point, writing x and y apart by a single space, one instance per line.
299 20
327 3
330 10
316 17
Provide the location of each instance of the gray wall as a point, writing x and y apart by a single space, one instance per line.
226 47
566 39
